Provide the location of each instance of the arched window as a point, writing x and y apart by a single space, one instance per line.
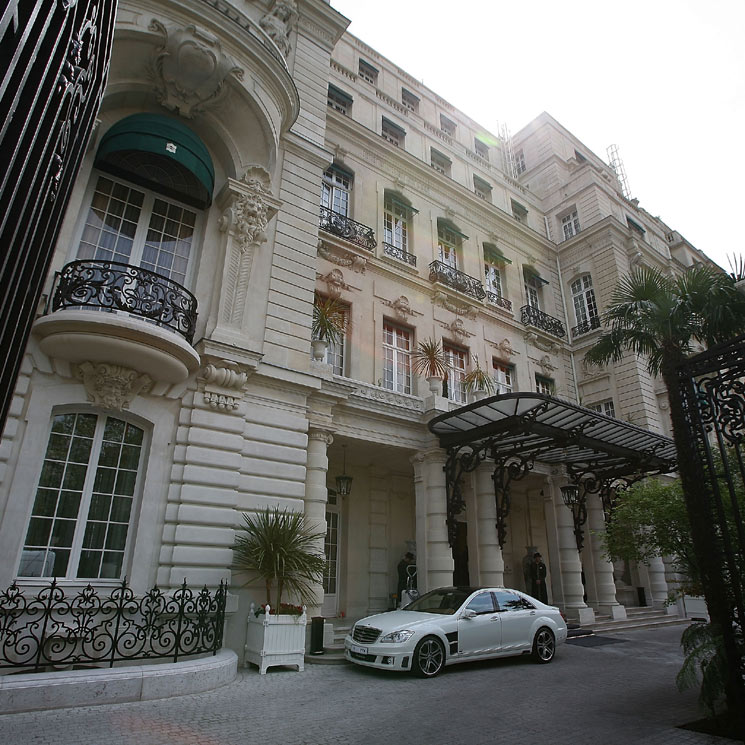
84 503
585 307
154 178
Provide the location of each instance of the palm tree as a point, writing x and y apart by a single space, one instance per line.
663 320
277 546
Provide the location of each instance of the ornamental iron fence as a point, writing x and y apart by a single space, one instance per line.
540 320
53 629
439 271
111 285
498 300
344 227
586 326
399 253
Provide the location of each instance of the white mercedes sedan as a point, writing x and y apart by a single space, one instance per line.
456 624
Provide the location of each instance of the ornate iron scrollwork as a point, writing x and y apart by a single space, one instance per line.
457 280
495 299
344 227
460 460
585 327
398 253
533 317
110 285
508 469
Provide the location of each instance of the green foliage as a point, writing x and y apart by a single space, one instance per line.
277 547
329 319
705 661
478 379
661 318
429 359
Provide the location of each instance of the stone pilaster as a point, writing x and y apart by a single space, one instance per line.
434 555
657 584
490 559
605 585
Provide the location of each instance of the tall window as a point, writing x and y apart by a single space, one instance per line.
335 351
395 223
533 291
570 225
603 407
448 242
519 162
493 279
335 191
544 385
503 376
397 358
456 359
84 501
137 227
585 307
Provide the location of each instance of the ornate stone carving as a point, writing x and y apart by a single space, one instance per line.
224 383
335 282
454 306
342 258
505 347
457 328
190 71
544 345
401 307
278 23
374 393
111 386
545 364
250 213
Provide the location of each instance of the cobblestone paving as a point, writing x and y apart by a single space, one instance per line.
606 695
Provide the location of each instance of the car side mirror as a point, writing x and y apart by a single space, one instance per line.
469 614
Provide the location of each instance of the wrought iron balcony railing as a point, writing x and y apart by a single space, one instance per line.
344 227
111 285
495 299
545 322
586 326
399 253
62 626
441 272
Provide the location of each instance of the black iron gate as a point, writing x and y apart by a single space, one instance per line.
54 60
712 387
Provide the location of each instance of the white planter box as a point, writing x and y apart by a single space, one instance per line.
275 640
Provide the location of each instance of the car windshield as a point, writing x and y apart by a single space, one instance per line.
444 601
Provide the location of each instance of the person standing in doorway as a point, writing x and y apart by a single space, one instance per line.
403 574
538 579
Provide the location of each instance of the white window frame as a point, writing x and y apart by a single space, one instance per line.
336 191
336 350
504 376
570 225
136 255
409 100
395 224
335 101
493 278
604 407
448 244
519 162
448 126
533 289
367 72
481 148
392 133
545 385
397 346
457 360
439 162
482 188
86 497
583 299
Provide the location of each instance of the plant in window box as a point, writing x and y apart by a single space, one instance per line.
429 360
281 552
478 382
328 325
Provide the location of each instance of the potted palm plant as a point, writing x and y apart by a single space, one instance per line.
280 551
478 382
328 325
429 360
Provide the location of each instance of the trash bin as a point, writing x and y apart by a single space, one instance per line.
316 635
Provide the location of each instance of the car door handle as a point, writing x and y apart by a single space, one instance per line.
494 618
532 613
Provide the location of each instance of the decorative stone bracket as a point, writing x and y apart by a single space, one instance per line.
224 384
545 345
454 306
111 386
343 258
401 308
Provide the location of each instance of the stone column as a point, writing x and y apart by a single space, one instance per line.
603 568
316 497
657 583
491 562
434 555
570 564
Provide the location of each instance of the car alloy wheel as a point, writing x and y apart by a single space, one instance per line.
544 646
429 657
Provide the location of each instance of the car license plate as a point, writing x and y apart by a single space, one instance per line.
358 650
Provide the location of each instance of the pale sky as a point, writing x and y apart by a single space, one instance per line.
662 79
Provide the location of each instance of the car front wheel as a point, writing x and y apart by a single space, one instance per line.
429 657
544 646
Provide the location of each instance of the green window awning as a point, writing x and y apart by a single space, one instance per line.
494 254
166 139
530 272
445 224
339 93
401 204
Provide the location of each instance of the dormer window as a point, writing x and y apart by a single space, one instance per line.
441 163
448 126
409 100
368 73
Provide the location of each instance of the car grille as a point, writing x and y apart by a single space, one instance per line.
365 634
362 657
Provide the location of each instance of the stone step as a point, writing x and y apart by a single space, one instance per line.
637 622
331 656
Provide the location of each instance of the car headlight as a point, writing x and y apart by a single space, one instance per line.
397 637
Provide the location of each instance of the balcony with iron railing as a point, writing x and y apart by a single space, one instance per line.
586 326
538 319
348 229
399 253
501 302
445 274
110 312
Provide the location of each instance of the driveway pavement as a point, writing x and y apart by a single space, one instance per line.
608 694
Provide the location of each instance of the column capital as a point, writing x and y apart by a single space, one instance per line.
321 435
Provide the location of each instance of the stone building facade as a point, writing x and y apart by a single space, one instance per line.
248 156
